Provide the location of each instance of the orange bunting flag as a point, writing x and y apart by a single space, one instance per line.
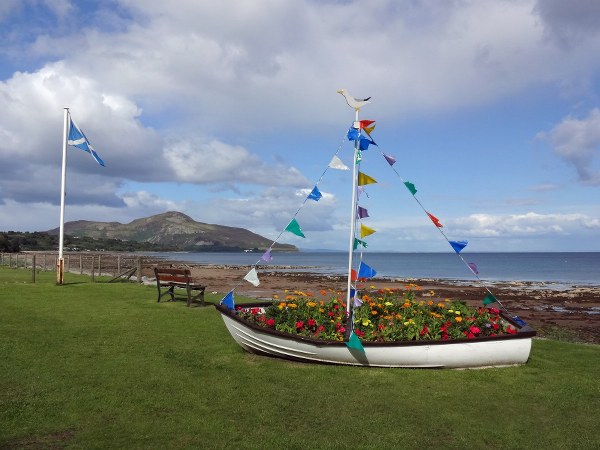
369 130
365 230
435 221
365 179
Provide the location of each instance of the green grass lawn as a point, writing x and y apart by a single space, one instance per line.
97 365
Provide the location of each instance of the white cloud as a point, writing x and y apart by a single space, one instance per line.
577 141
213 161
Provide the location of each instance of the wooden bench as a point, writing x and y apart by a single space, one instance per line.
170 279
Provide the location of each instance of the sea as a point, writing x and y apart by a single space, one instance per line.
552 270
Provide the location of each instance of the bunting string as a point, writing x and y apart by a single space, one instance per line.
456 245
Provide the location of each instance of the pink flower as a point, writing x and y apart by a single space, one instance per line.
342 330
475 330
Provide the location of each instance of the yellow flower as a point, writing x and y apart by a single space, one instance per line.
292 306
275 296
457 313
372 287
441 305
388 304
311 304
458 319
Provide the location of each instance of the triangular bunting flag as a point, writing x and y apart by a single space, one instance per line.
315 194
365 179
473 268
358 157
228 300
358 242
458 245
410 187
354 342
435 220
353 134
267 256
252 277
361 212
489 299
294 227
363 143
369 130
365 230
337 163
365 123
365 271
390 159
357 302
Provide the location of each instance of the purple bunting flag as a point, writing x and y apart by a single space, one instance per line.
361 212
473 268
267 256
390 159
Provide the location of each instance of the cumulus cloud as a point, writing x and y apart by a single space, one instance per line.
577 142
213 161
522 225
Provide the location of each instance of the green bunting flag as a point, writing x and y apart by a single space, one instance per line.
489 299
411 187
354 342
294 227
358 242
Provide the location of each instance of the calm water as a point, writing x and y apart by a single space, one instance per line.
562 268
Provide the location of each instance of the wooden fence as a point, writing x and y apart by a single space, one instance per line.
91 263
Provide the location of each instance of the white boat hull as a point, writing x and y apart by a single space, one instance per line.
459 354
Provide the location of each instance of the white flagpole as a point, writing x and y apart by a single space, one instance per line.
60 264
352 223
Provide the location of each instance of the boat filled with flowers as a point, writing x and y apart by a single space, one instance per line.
389 327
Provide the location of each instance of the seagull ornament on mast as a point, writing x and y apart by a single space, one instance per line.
355 103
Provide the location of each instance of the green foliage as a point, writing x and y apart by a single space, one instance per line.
16 241
98 365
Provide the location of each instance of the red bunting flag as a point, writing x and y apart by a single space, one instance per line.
435 221
365 123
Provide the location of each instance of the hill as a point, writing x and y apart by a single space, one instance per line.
176 231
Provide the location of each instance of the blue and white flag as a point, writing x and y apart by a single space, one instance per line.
79 140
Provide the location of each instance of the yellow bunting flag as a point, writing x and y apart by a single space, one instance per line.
365 179
365 231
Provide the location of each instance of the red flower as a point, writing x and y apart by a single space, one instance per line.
511 330
311 323
494 310
271 322
475 330
425 330
359 333
299 325
495 326
342 330
254 311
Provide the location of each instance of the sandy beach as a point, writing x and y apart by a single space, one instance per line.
571 314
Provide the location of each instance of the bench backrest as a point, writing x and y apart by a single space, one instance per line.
172 275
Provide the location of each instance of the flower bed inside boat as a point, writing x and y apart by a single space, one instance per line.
383 315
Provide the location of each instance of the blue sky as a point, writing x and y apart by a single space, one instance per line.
227 111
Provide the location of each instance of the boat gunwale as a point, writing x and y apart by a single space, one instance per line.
522 333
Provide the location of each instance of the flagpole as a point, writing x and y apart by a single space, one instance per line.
60 264
352 221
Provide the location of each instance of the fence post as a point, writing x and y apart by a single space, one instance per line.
68 263
139 269
99 265
80 264
92 269
33 268
118 265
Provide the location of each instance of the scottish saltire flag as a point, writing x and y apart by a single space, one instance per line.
79 140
